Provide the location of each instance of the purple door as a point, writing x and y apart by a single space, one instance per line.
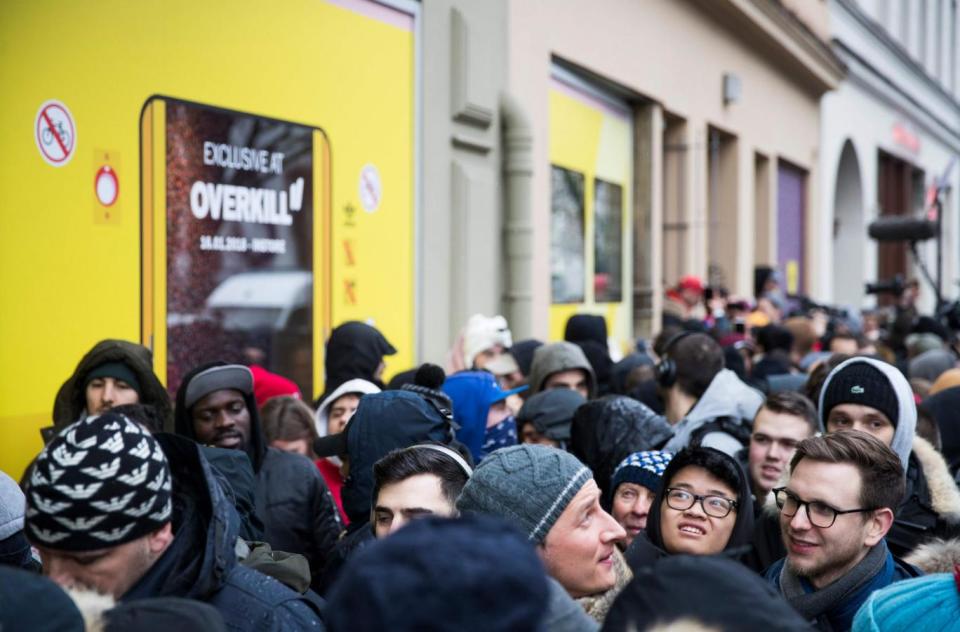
790 226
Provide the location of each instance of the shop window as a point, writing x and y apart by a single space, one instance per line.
567 274
608 241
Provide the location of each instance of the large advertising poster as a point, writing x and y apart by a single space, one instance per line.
239 225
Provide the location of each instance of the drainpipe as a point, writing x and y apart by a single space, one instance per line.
518 223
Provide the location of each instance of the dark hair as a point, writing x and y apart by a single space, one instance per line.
795 404
698 359
773 338
713 461
287 418
881 474
144 414
401 464
819 375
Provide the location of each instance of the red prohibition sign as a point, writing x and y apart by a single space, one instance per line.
56 134
106 185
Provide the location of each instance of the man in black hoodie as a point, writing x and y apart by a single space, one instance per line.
216 406
355 350
703 508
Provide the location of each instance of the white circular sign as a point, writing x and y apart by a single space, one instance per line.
107 185
371 191
55 133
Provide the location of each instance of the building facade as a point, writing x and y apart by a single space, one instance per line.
890 133
590 154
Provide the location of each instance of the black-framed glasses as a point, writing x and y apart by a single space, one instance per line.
819 514
716 506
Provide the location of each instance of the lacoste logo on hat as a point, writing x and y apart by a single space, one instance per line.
857 390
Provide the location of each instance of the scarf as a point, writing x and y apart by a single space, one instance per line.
834 606
503 435
597 606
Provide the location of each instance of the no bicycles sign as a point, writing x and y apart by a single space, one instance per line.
56 133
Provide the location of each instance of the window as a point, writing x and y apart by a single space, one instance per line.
608 241
567 274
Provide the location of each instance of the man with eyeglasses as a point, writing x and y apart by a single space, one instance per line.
834 513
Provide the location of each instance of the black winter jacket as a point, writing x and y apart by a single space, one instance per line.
298 512
201 562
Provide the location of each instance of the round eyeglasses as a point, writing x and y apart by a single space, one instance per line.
819 514
715 506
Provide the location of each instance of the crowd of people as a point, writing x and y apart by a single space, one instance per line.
757 465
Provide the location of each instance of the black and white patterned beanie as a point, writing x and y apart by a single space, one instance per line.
101 482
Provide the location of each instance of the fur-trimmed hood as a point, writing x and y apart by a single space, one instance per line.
936 556
944 495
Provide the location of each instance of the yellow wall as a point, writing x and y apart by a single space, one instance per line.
598 144
69 278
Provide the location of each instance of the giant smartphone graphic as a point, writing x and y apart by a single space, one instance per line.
235 212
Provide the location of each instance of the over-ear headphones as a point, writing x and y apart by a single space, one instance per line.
666 369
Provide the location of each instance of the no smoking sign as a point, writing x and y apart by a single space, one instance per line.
55 133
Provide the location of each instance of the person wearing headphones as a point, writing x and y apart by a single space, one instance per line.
415 482
706 404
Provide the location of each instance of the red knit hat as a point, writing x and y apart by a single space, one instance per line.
267 385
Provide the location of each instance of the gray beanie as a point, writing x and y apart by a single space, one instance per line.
529 485
12 507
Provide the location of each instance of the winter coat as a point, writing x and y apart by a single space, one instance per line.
557 357
297 510
944 407
931 506
70 403
726 397
606 431
201 562
647 547
354 350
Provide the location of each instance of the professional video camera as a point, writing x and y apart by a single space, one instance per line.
895 286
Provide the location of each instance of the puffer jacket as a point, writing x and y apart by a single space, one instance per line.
70 403
201 562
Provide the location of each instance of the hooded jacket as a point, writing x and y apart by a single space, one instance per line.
557 357
648 546
354 350
298 512
383 422
357 386
931 505
606 431
70 403
201 562
727 396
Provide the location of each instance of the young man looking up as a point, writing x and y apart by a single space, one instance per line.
552 497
